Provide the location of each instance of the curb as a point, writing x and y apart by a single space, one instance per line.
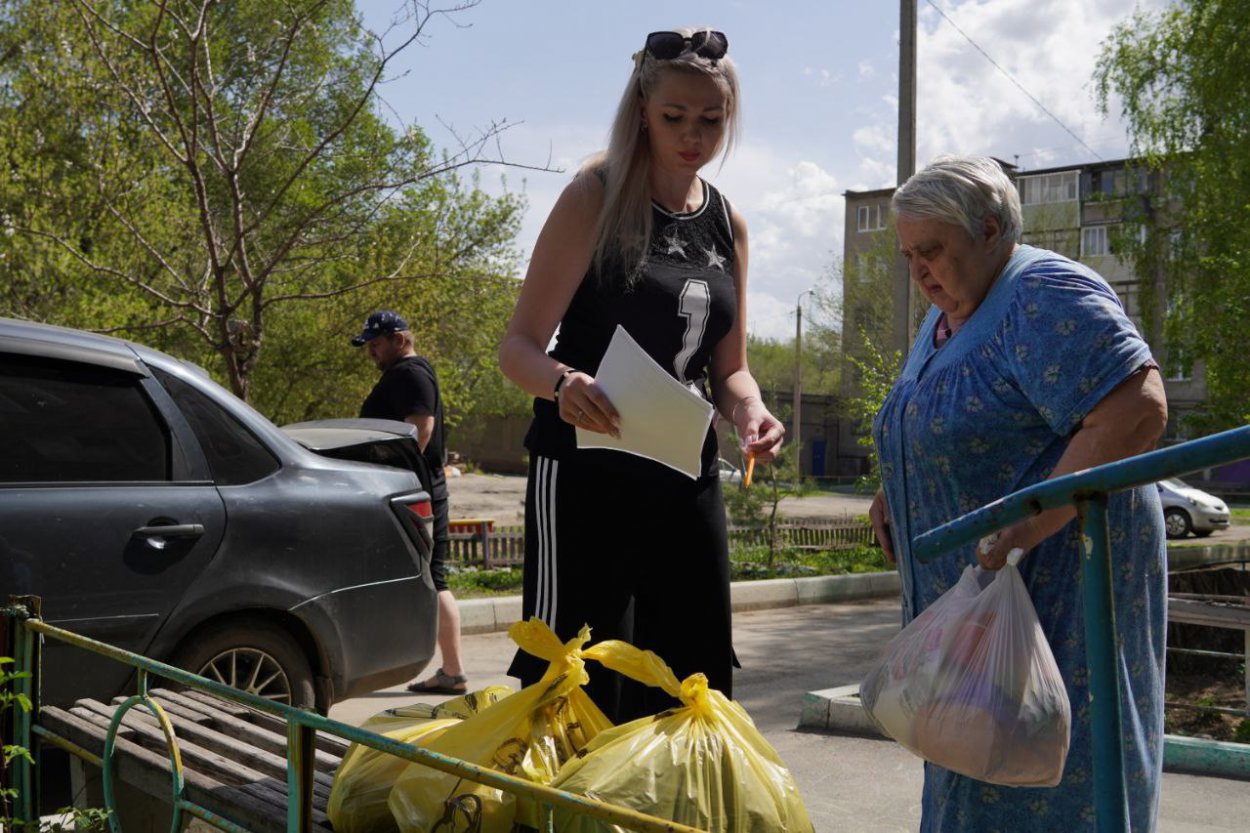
495 614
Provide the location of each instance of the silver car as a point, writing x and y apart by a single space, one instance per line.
154 510
1186 509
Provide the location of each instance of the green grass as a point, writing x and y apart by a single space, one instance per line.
1241 514
747 564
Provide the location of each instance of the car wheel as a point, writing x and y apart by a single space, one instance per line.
252 655
1176 521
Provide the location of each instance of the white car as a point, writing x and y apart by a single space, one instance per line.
729 473
1186 510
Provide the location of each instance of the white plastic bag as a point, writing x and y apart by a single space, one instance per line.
971 684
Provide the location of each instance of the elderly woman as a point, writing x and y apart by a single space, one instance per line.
1026 368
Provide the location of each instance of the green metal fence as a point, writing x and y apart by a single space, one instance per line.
26 628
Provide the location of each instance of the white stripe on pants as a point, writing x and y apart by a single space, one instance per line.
545 494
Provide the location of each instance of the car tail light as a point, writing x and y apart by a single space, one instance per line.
421 508
416 515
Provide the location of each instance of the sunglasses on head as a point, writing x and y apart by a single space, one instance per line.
668 45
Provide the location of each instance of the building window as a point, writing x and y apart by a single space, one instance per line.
1095 241
871 217
1048 188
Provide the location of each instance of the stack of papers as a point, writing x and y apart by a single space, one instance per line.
661 419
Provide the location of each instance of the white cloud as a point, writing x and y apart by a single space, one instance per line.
966 105
795 212
824 78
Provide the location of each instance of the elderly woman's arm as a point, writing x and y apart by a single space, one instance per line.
1128 421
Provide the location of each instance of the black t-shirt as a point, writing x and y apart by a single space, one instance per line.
682 304
410 387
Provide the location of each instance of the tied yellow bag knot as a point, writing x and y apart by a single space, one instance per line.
535 637
528 735
694 694
703 763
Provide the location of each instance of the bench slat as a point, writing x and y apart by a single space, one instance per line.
213 764
224 726
259 720
148 771
229 748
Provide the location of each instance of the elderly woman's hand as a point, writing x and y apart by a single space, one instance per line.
992 549
879 514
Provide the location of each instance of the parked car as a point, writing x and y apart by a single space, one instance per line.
729 473
1186 510
152 509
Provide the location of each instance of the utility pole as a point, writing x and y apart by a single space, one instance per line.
906 161
797 407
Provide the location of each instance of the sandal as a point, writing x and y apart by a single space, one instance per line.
441 683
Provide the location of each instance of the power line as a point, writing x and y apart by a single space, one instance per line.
1012 79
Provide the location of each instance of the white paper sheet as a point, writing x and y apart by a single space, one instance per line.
661 419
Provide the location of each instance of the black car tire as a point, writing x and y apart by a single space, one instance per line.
1177 523
259 654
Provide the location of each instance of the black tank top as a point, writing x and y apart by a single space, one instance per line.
681 304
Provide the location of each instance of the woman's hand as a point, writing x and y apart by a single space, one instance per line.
992 549
584 405
761 433
879 514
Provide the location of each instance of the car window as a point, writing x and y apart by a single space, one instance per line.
70 422
234 454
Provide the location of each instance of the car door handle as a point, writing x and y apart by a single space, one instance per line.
171 531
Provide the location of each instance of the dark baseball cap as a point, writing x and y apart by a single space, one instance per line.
382 322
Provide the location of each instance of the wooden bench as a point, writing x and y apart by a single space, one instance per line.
233 760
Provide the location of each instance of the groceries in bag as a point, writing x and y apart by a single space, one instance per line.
528 735
703 763
363 781
972 685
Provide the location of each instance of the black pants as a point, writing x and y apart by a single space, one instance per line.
438 558
641 556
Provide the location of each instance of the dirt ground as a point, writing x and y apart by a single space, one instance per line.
502 497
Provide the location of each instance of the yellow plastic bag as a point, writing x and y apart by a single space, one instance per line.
528 735
703 764
363 782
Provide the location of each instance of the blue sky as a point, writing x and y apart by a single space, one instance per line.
819 82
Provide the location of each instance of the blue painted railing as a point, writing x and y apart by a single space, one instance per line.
1088 490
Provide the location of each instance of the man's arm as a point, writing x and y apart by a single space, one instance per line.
425 427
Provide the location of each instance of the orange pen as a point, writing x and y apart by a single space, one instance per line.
746 478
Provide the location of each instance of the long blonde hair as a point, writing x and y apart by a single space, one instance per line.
623 232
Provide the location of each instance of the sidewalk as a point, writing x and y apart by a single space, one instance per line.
849 783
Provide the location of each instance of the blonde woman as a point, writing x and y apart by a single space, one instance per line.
638 239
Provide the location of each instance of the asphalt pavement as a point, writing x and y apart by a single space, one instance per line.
849 783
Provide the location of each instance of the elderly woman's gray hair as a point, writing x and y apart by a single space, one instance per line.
963 191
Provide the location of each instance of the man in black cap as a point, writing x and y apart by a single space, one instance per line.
408 392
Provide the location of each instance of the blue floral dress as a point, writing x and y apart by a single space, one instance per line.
989 413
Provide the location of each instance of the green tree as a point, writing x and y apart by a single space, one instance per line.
876 370
205 176
772 363
1179 74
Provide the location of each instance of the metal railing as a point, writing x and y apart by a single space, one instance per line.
1089 490
302 725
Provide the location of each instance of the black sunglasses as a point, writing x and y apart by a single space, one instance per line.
706 44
